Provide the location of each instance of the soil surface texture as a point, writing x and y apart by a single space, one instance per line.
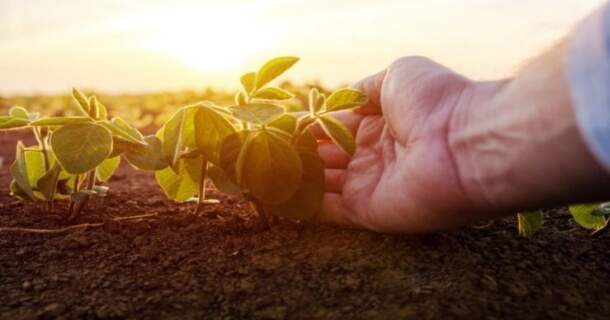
221 265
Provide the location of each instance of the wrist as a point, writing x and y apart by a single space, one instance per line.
517 146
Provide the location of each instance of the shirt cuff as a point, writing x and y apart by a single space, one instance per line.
588 72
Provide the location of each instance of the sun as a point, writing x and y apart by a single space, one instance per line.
208 42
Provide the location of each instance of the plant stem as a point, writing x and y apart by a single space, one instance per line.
42 142
78 208
262 215
202 184
76 189
302 125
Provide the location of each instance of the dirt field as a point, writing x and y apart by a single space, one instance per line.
219 265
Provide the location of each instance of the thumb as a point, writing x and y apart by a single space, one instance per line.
371 86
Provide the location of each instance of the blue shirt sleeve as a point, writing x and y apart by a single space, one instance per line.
588 72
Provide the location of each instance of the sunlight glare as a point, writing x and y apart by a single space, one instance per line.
212 41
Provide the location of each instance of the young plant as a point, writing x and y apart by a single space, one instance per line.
272 158
593 216
73 153
188 146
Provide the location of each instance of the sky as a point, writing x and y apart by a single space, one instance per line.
49 46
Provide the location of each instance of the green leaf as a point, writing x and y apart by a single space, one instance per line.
306 202
94 110
59 121
19 172
272 69
107 169
81 147
12 123
287 122
150 158
127 129
184 184
120 146
229 152
344 99
19 112
47 184
248 81
172 137
15 191
273 93
529 222
34 160
221 180
583 215
338 133
269 167
316 101
81 100
211 128
103 111
257 113
240 98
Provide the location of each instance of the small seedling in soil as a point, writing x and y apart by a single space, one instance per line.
593 216
72 156
254 147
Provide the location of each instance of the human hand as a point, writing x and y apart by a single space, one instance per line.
403 176
437 151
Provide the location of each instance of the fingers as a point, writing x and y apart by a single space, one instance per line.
333 180
334 210
333 156
349 118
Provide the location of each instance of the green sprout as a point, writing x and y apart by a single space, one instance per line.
73 153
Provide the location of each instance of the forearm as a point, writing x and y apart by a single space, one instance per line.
517 143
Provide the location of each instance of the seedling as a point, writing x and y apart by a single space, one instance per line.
592 216
254 147
272 158
73 153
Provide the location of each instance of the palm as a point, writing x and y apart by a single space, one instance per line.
402 177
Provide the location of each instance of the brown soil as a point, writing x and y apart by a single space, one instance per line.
220 265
